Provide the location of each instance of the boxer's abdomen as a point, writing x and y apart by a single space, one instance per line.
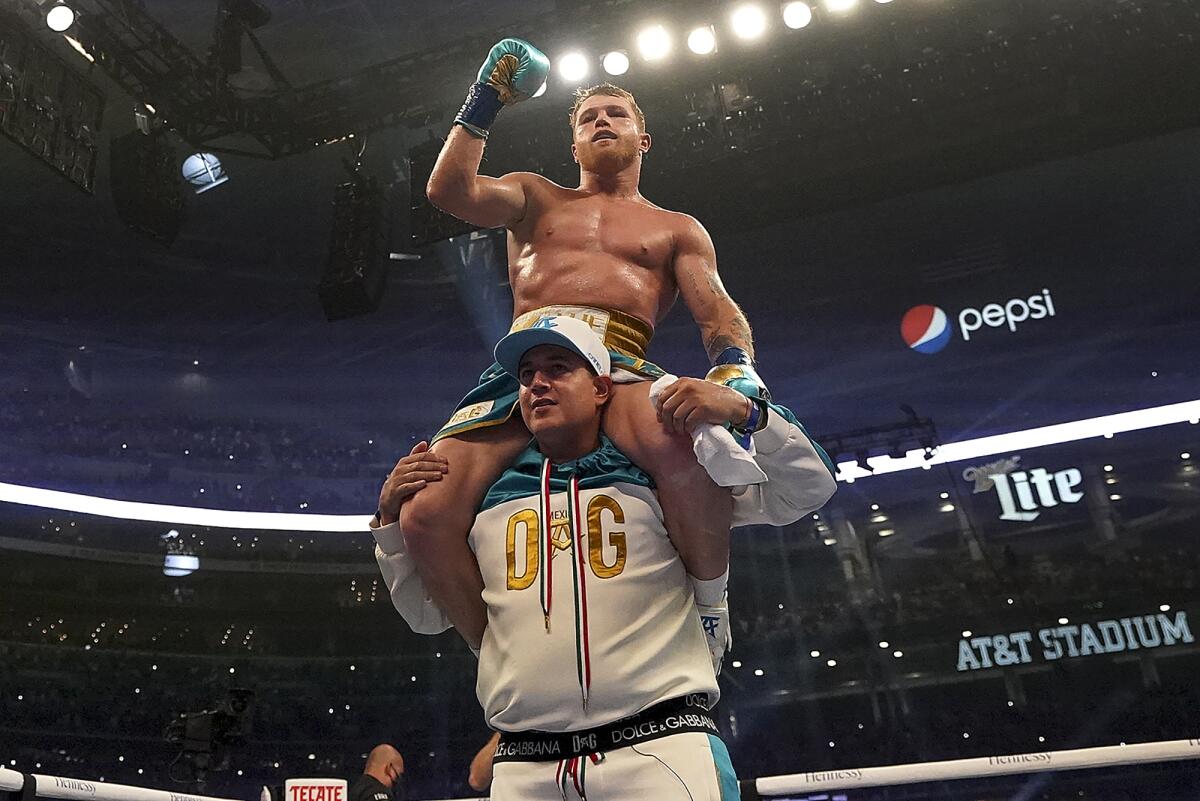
559 276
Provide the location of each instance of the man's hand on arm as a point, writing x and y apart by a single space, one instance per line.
690 402
408 477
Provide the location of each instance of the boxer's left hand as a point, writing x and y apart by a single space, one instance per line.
689 402
735 369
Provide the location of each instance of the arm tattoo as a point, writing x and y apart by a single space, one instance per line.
733 334
735 331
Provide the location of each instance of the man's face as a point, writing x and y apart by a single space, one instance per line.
606 135
559 391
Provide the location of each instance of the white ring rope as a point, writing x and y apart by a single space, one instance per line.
11 781
1109 756
66 789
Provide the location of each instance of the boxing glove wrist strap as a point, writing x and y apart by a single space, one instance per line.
734 355
479 110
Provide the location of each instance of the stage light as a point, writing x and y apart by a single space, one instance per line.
703 40
654 43
616 62
179 564
748 21
204 172
840 6
60 18
797 15
882 2
573 67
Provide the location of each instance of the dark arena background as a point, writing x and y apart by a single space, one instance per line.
966 234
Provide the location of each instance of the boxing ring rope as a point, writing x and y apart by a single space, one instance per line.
1109 756
65 789
11 781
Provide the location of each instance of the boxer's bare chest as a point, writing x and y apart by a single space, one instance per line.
594 250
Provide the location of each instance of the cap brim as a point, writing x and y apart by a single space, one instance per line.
511 348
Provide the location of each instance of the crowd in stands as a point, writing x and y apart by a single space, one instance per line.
954 595
97 448
105 712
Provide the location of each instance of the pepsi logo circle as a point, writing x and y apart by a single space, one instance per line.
925 329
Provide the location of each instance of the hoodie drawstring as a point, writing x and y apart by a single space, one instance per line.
583 655
574 770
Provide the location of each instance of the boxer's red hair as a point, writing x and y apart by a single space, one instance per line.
608 90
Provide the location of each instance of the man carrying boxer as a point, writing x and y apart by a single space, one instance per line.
594 665
600 253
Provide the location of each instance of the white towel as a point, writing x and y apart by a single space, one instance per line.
727 462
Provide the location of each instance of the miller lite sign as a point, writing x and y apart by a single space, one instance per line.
1024 493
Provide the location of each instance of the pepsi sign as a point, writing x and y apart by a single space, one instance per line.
926 329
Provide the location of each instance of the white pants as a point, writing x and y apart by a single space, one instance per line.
682 767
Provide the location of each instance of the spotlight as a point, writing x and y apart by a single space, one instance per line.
882 2
573 67
616 62
204 171
702 40
748 21
840 6
797 15
654 43
60 17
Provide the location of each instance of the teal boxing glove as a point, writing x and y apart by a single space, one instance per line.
513 71
734 368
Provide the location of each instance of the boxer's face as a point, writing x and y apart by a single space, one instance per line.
559 390
606 135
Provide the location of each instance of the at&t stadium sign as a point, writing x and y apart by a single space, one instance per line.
1087 639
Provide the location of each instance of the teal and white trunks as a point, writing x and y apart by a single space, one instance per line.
492 402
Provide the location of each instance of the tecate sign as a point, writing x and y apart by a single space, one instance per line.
927 329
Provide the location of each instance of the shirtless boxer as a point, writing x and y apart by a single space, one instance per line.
602 253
